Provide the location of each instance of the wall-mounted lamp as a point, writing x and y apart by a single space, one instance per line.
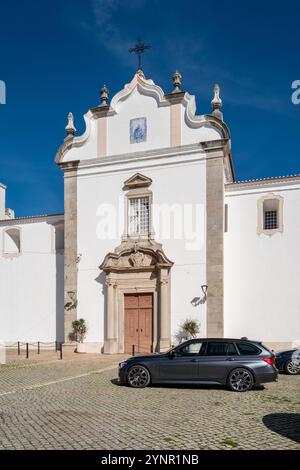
204 288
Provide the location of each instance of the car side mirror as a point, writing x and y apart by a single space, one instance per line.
172 353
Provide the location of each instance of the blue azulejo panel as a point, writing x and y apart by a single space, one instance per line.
138 130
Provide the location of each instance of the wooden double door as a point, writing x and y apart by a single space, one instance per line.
138 328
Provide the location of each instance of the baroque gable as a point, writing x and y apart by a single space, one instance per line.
144 118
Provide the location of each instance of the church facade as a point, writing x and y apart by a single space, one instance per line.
155 231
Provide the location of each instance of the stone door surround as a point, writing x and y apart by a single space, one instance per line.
137 267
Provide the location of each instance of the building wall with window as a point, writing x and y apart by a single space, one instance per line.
31 279
145 154
262 261
103 223
154 232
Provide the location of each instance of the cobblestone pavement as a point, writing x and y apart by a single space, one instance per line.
78 404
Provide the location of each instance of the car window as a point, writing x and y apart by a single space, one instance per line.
296 354
191 349
246 349
222 348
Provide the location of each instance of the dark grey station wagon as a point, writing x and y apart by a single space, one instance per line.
237 363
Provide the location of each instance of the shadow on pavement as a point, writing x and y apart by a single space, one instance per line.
189 386
285 424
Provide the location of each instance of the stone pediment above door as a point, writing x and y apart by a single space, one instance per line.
145 255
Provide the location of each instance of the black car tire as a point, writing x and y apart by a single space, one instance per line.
292 367
138 377
240 380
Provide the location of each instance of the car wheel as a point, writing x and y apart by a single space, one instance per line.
292 367
138 377
240 380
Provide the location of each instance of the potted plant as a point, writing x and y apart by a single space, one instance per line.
79 330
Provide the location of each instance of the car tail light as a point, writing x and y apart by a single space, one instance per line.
270 360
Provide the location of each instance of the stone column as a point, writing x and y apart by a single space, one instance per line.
215 244
165 313
70 246
110 343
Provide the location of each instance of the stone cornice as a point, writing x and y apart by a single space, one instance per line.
102 111
69 166
263 183
175 98
205 148
29 219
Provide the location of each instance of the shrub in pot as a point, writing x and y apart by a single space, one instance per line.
79 330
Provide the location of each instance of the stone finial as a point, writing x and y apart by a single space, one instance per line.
216 102
140 73
70 128
104 92
177 81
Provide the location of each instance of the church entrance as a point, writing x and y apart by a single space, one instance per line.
137 298
138 316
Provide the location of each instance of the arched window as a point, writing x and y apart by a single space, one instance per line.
270 214
12 241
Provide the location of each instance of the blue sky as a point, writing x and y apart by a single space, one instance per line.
55 56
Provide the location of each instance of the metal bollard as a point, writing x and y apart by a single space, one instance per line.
19 349
56 348
27 350
60 352
133 349
38 347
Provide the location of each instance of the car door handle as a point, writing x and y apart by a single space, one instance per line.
194 360
230 359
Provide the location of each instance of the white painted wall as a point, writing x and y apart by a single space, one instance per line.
176 180
136 106
262 295
31 285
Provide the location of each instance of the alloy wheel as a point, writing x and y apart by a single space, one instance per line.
240 380
138 377
293 367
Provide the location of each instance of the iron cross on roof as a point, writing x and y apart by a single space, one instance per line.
139 49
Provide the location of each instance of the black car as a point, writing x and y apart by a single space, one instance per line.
288 361
236 363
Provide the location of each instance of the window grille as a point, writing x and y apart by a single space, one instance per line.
270 220
139 216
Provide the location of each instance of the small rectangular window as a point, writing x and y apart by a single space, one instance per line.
139 216
270 220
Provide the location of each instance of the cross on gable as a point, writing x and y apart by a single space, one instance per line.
139 49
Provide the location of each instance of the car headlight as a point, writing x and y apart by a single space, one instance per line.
122 364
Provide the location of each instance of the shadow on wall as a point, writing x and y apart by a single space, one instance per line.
101 278
59 259
58 249
285 424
